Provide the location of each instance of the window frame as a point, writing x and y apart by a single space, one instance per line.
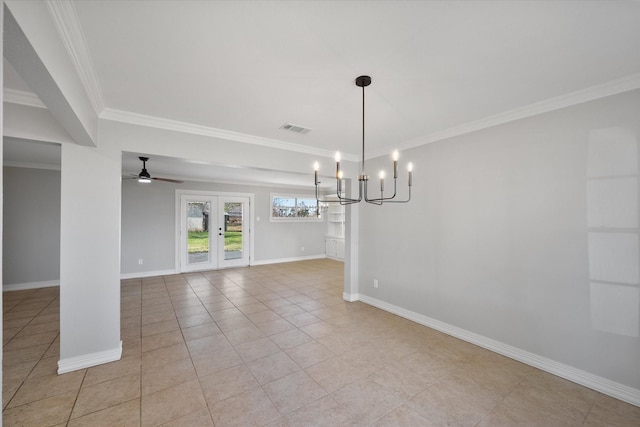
315 218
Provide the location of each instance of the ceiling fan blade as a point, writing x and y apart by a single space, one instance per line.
175 181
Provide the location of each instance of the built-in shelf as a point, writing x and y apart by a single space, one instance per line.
334 240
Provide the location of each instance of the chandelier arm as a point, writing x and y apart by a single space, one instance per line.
381 198
343 200
318 199
367 199
347 200
400 201
384 199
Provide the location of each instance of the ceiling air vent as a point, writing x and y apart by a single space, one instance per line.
295 128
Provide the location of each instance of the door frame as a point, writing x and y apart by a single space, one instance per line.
250 222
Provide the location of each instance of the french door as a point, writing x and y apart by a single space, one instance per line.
213 231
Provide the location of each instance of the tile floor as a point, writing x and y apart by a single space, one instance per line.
275 345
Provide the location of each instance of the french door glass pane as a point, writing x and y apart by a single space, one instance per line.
198 232
233 240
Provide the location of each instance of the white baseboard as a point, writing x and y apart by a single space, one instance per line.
88 360
141 274
595 382
281 260
31 285
350 297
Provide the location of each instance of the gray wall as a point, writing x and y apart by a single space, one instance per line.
499 239
31 237
148 226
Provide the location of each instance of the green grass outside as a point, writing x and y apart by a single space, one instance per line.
199 241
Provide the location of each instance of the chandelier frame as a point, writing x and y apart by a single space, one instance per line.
363 178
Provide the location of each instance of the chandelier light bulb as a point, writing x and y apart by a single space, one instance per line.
410 167
316 166
395 156
337 156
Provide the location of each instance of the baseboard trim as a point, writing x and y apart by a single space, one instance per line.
142 274
88 360
281 260
31 285
350 297
595 382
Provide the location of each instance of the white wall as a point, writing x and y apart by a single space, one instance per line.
148 226
496 238
31 238
89 257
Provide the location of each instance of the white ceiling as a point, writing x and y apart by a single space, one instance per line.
251 66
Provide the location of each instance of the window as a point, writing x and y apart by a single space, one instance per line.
287 207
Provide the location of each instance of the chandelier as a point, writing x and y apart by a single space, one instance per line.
363 178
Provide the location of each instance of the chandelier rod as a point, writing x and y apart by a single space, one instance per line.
363 169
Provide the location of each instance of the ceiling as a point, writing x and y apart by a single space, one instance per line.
251 66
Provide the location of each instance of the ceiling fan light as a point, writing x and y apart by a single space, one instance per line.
142 179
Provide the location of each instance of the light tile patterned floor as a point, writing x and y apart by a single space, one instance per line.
275 345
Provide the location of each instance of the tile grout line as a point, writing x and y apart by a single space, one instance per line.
75 401
140 355
190 356
493 408
26 377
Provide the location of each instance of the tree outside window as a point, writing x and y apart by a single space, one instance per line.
288 207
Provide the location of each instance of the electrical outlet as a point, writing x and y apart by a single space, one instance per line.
375 283
140 261
302 248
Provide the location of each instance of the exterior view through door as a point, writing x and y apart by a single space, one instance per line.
213 231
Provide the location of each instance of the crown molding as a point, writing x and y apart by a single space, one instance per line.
32 165
67 23
614 87
184 127
20 97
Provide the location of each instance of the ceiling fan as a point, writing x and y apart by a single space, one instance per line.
144 175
